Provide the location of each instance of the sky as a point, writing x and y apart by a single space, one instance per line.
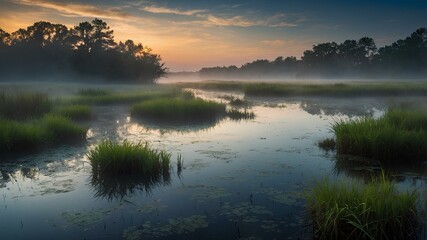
191 34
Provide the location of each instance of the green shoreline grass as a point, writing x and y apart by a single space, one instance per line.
317 90
399 135
179 109
75 112
17 137
21 106
354 211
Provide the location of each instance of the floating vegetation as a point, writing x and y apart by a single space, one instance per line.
292 198
76 112
245 212
399 135
205 193
150 208
179 110
24 105
182 225
86 218
354 211
235 114
327 144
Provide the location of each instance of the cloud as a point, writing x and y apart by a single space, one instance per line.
77 10
274 43
163 10
239 21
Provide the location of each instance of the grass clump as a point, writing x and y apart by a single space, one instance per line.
76 112
22 106
327 144
61 129
128 158
29 136
92 92
354 211
101 97
179 109
399 135
20 137
235 114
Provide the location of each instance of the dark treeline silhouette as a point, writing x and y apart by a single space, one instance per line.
87 50
361 58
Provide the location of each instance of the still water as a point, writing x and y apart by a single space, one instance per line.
241 179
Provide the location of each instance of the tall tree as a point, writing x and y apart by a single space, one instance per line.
4 38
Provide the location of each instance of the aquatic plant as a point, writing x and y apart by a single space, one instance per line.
24 105
179 165
178 109
18 137
49 130
60 129
129 158
327 144
235 114
354 211
76 112
399 135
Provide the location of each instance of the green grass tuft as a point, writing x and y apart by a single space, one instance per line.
47 131
354 211
24 105
62 129
179 109
128 158
399 135
76 112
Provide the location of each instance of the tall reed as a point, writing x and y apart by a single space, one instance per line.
355 211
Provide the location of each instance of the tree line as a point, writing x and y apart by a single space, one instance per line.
351 58
86 50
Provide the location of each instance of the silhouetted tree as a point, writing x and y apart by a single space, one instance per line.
4 38
87 49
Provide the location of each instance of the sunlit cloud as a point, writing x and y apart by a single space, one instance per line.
274 43
163 10
77 10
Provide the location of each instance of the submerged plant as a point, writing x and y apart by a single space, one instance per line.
354 211
179 165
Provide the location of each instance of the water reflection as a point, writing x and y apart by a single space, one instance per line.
176 126
107 186
367 169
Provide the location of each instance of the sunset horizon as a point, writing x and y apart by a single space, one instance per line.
190 35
